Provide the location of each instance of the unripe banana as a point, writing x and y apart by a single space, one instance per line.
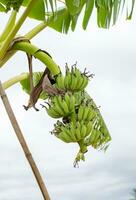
72 103
89 127
59 102
57 106
80 113
67 79
74 82
64 137
78 98
72 133
91 114
80 82
77 72
52 113
82 130
64 106
85 113
60 82
78 131
67 99
67 132
84 83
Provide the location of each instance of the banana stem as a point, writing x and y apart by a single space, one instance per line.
39 54
29 36
9 26
14 31
38 28
73 117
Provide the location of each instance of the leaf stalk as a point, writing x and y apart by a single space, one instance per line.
15 80
39 54
16 28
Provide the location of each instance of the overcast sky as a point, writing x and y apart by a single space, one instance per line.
111 56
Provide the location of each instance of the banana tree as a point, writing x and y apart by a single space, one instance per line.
80 120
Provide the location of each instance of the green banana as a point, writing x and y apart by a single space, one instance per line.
52 113
59 102
65 108
57 106
72 103
72 133
89 127
91 114
84 83
74 82
67 132
64 137
67 99
78 132
80 113
80 82
85 113
60 82
67 79
77 72
82 130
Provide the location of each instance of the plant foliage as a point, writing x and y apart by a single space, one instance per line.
67 12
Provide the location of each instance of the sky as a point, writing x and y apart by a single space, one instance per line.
110 55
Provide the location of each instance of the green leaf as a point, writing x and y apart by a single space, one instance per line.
75 6
36 78
61 21
38 11
15 4
74 21
103 13
88 12
2 8
116 9
129 16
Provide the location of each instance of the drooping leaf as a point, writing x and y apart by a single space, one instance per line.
40 7
75 6
74 22
64 20
61 21
129 15
36 78
116 9
88 12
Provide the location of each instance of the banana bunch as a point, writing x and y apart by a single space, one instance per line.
99 135
73 80
61 106
81 122
72 132
86 113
